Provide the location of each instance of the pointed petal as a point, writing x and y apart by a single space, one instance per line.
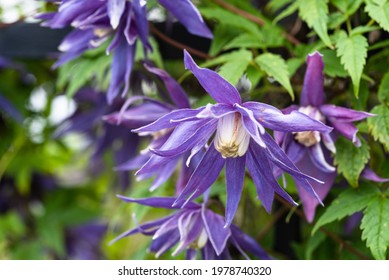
176 92
190 230
165 121
216 110
235 168
122 62
164 243
313 88
164 174
348 130
204 175
159 202
217 233
369 174
188 15
217 87
247 243
251 125
317 157
343 114
274 119
310 203
141 21
115 11
328 142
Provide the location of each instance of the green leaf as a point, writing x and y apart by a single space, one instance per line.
375 227
230 19
222 36
379 124
276 67
351 160
287 12
312 244
315 14
348 7
379 11
383 91
234 68
346 204
352 52
245 40
254 75
333 67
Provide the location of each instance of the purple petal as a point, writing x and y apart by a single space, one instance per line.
185 137
176 92
190 229
369 174
218 88
115 11
313 88
164 174
317 157
310 203
348 130
342 114
158 202
235 168
217 233
8 108
165 121
122 62
141 21
188 15
251 125
133 163
274 119
164 243
247 243
203 177
258 160
216 110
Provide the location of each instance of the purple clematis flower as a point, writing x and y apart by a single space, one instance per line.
97 21
133 116
311 150
194 228
240 140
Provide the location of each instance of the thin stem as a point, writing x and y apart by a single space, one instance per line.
255 19
329 234
178 45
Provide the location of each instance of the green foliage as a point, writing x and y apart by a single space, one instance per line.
276 67
375 226
352 51
379 124
379 11
234 68
351 160
315 13
347 203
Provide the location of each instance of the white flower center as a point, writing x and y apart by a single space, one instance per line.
309 138
232 139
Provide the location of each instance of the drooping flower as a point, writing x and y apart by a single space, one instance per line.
193 228
122 20
311 150
133 116
241 140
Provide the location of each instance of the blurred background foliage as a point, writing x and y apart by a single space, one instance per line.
57 202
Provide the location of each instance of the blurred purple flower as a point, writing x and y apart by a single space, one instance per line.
134 116
194 228
311 150
97 21
84 242
240 140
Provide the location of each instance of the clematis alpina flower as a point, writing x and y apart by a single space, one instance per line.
311 150
123 20
193 228
240 141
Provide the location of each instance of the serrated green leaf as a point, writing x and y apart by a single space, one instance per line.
375 227
379 124
287 12
222 36
276 67
352 52
348 7
351 160
379 11
245 40
346 204
315 14
383 91
333 67
234 68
